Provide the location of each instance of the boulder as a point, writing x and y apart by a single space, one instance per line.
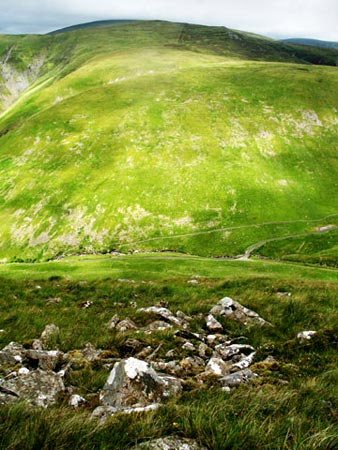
133 383
234 310
38 387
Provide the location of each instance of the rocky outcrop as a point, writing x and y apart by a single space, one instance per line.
234 310
13 81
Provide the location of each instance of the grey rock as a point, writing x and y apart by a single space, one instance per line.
12 354
228 351
37 387
126 324
237 378
213 325
192 363
90 353
189 347
76 401
133 383
234 310
183 316
244 363
164 313
217 366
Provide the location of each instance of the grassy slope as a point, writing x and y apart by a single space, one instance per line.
114 145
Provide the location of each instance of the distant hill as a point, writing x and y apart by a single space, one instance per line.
311 42
99 23
158 135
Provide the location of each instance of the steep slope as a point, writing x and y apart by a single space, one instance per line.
154 135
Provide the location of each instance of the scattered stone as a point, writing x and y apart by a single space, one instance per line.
189 347
170 443
237 378
234 310
284 294
210 339
164 313
192 282
170 354
76 400
102 413
37 345
85 305
158 325
37 387
170 367
133 383
217 367
213 324
125 325
185 334
305 336
23 371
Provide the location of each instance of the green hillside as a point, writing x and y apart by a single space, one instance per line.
154 135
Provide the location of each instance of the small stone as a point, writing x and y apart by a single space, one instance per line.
125 325
47 360
213 324
305 336
23 371
217 367
113 322
228 351
189 347
211 338
76 400
193 282
183 316
164 313
170 354
244 363
192 363
203 349
90 353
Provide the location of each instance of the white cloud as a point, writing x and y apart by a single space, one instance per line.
279 18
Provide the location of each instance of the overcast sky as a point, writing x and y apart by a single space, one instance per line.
276 18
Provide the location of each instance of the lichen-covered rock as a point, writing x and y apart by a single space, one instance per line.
113 322
76 401
11 355
244 362
133 383
236 378
170 443
37 387
234 310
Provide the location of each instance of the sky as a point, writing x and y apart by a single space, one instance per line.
279 19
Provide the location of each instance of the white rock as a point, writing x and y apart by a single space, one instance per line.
304 336
213 324
76 400
217 366
23 371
